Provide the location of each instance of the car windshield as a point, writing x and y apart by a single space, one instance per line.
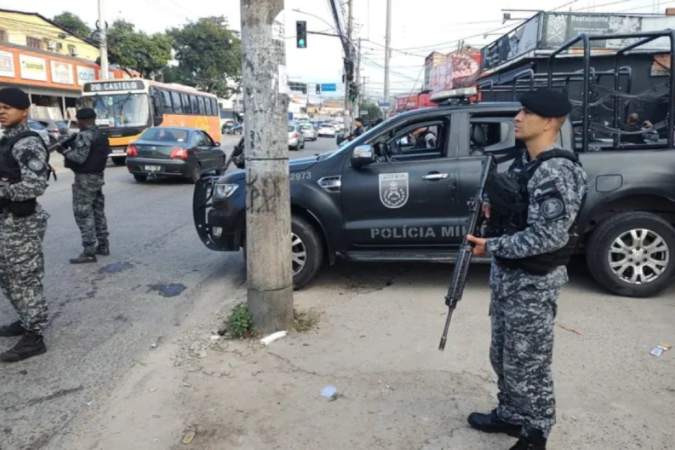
164 134
119 110
291 129
326 126
35 126
61 125
306 127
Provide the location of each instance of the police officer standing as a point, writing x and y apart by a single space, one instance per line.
87 157
528 272
24 173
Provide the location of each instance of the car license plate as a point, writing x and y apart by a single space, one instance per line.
119 150
153 168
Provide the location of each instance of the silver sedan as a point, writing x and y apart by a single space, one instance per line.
308 131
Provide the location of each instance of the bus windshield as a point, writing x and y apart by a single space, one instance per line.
119 110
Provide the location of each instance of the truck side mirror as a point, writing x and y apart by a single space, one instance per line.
362 155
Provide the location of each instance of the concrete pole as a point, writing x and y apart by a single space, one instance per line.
268 210
387 55
103 40
348 118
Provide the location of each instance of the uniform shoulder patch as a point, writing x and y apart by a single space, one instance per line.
35 165
550 201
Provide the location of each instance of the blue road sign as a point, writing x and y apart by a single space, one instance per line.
328 87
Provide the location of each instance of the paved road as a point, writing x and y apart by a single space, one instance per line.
106 315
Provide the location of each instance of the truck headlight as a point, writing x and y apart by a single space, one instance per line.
221 191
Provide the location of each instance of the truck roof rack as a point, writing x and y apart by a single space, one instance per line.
642 39
622 76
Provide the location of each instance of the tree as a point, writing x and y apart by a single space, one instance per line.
208 54
73 23
374 111
148 54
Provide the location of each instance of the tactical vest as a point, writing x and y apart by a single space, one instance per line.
509 203
11 172
97 158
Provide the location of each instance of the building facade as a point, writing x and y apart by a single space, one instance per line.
47 62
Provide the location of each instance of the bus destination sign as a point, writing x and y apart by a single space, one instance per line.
107 86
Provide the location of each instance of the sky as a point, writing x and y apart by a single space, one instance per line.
417 28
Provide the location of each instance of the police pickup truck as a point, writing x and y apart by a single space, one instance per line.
387 197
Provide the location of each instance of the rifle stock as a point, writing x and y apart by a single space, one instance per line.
476 220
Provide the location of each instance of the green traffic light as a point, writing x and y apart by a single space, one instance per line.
301 43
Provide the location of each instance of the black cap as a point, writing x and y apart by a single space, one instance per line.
15 98
358 119
85 113
546 103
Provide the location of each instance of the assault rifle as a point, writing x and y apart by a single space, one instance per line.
476 221
64 143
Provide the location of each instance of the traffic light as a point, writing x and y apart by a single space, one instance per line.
318 89
353 91
301 33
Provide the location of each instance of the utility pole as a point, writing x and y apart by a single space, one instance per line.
103 39
268 209
357 105
348 121
387 55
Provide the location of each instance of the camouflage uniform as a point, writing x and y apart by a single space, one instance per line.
88 198
21 257
523 306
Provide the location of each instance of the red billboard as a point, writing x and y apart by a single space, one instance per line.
461 69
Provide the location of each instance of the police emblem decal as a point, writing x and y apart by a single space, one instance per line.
394 189
552 208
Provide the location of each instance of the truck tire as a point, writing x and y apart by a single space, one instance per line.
305 240
632 254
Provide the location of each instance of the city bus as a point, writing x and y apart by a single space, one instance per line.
125 108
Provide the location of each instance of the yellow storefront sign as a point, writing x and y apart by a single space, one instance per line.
33 68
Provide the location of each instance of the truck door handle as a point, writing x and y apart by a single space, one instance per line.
434 176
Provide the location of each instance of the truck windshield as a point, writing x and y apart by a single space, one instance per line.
119 110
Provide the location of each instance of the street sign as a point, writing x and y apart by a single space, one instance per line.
383 104
328 87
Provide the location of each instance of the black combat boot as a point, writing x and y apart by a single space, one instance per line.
12 330
32 344
491 423
534 440
103 250
88 256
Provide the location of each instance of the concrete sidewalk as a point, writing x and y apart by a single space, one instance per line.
377 344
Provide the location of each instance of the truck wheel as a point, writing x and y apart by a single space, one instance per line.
306 250
631 254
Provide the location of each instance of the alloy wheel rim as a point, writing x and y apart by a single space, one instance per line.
298 254
639 256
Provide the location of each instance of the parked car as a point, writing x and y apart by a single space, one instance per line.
39 129
326 130
174 152
58 129
309 131
296 139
